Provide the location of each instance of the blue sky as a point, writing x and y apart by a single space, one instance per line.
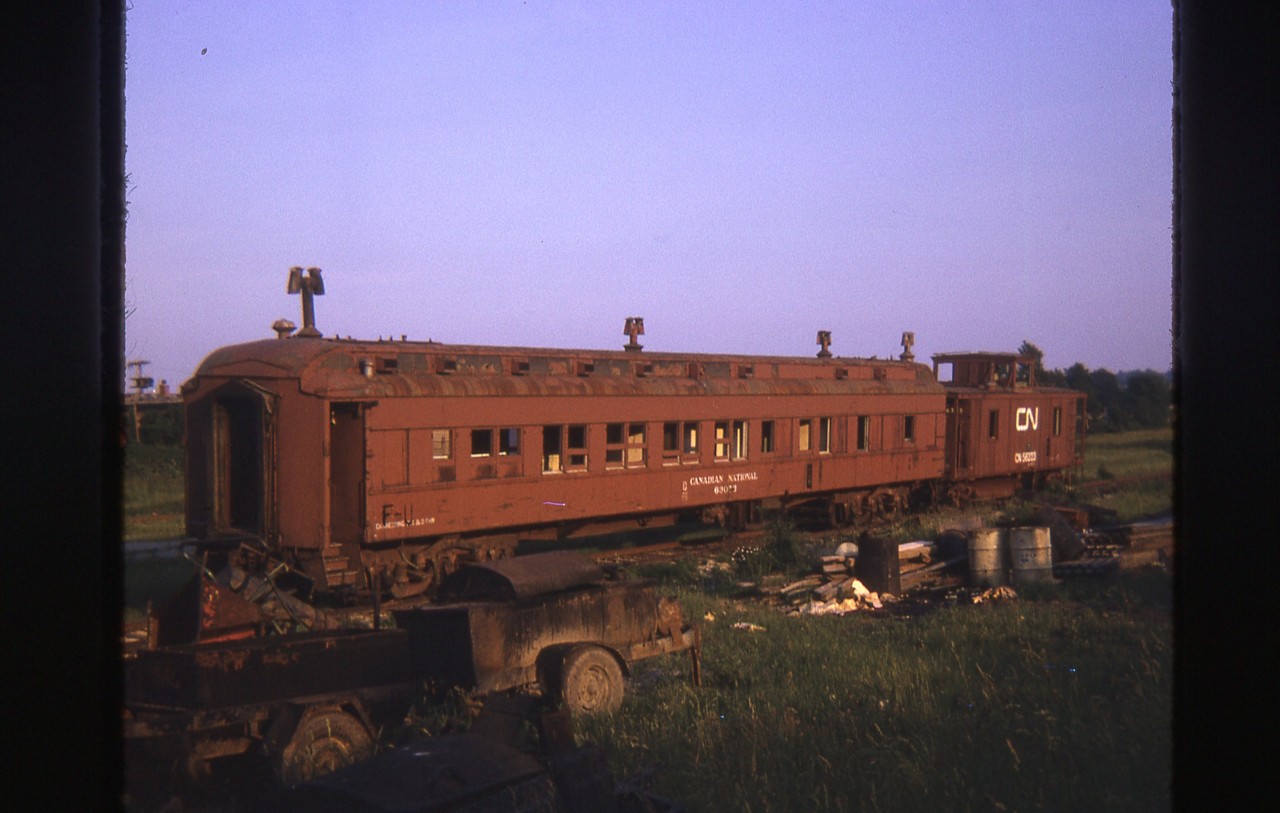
739 174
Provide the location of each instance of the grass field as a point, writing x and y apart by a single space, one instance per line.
1143 453
1128 454
153 484
1060 700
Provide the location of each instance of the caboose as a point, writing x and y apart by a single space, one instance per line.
1004 430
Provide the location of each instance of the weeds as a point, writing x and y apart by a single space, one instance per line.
949 711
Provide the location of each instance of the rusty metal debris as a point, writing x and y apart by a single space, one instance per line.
311 702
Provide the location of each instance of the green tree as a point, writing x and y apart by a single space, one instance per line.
1148 398
1107 408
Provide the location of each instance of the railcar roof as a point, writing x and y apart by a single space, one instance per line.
355 368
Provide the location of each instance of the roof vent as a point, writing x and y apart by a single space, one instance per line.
283 327
633 328
310 284
824 339
908 339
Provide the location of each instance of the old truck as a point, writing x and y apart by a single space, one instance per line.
308 703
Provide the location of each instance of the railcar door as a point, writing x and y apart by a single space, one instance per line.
240 419
346 474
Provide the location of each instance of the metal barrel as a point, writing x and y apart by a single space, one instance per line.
877 565
1031 556
988 558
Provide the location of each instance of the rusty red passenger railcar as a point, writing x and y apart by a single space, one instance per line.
361 462
374 466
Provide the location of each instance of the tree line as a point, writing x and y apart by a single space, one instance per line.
1117 402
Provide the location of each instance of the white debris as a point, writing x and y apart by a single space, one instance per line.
749 627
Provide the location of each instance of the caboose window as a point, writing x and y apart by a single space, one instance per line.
824 435
806 428
441 447
766 437
1057 420
909 428
993 424
481 442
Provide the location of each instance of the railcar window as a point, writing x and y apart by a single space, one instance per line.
766 437
1023 374
864 432
1002 372
1057 420
993 424
635 445
670 443
722 440
577 451
739 440
614 445
441 445
509 441
481 442
691 441
824 435
551 451
909 428
806 429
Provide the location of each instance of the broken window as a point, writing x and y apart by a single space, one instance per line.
722 440
481 442
909 428
614 445
577 448
441 447
551 451
691 440
766 437
670 443
509 441
739 440
635 445
1057 420
824 435
802 437
864 432
993 424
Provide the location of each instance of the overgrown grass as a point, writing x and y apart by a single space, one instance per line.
1128 454
153 485
1058 701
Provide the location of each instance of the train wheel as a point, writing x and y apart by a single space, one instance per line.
591 681
324 743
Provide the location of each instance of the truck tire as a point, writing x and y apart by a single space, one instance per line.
591 681
323 743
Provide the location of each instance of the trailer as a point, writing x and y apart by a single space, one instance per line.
554 620
307 703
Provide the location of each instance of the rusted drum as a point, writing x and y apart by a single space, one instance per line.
987 558
1031 556
877 565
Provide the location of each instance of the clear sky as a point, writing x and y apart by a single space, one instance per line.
740 174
